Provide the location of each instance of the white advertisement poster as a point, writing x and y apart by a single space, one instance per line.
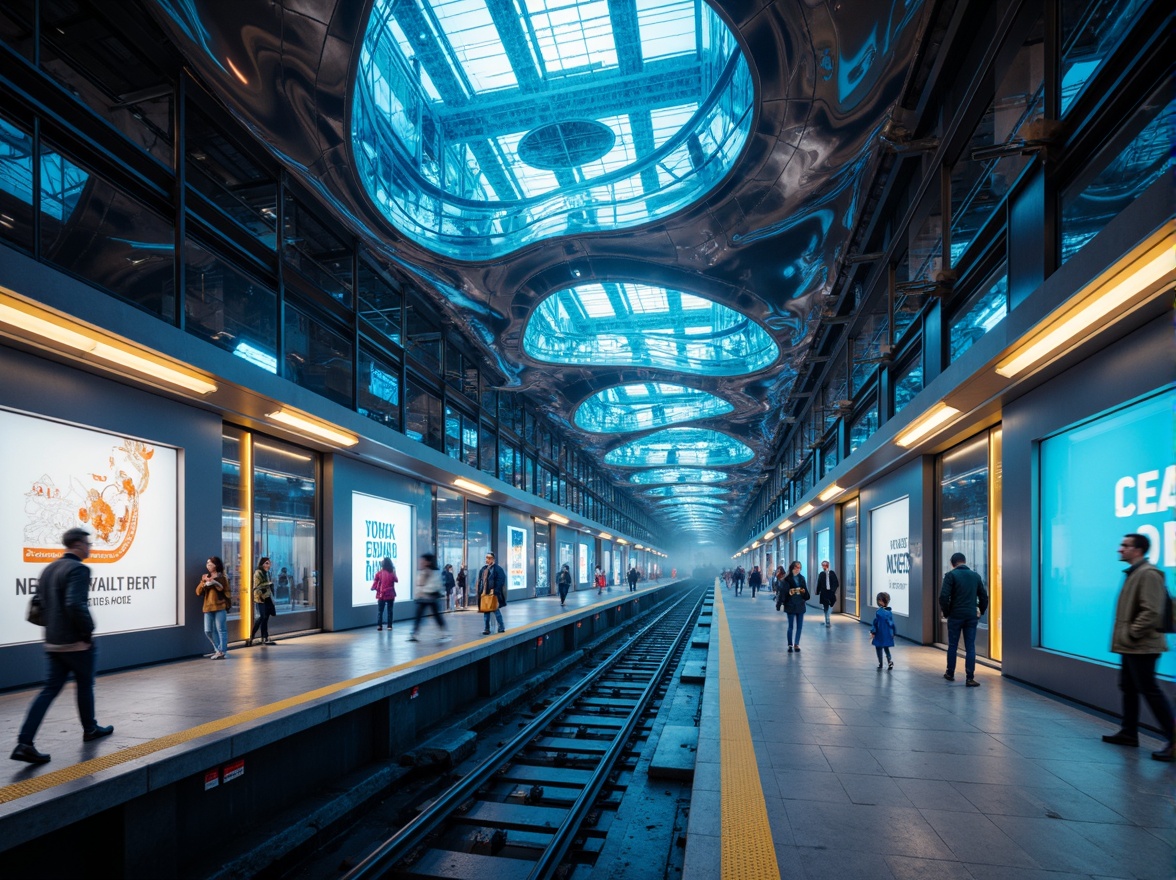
890 555
122 490
516 558
380 528
582 563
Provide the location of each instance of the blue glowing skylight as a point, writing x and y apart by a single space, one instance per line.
685 491
657 476
642 325
481 126
644 405
689 447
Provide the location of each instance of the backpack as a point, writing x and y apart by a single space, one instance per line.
227 595
1167 621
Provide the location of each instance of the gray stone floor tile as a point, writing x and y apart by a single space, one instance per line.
782 836
907 868
1067 846
885 830
1004 872
820 734
809 785
974 838
794 756
825 864
852 760
935 794
874 790
1063 802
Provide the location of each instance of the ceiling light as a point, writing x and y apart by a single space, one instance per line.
926 424
1107 296
832 492
315 429
606 536
769 536
471 486
61 331
805 510
559 518
622 541
784 524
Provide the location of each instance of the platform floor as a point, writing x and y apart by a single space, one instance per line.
149 703
868 774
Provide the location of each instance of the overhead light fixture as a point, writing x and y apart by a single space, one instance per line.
805 510
832 492
622 541
926 424
304 425
471 486
638 547
559 518
769 536
1106 296
606 536
48 327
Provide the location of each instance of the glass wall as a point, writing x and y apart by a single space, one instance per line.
965 524
451 530
479 540
542 560
849 557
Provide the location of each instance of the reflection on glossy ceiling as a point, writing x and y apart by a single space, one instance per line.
685 491
677 475
482 126
643 405
690 447
643 325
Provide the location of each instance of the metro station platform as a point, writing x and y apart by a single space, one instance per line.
817 765
257 731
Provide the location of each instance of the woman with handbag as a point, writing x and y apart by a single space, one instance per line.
263 601
214 587
491 593
427 595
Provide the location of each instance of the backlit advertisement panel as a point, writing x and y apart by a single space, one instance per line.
516 558
1107 477
890 554
122 490
380 528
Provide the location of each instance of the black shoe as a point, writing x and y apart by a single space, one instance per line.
949 676
879 667
485 632
98 733
29 754
790 649
972 683
412 638
1167 754
501 631
1121 739
891 665
798 647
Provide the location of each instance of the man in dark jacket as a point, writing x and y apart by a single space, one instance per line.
827 585
755 580
634 576
64 589
963 600
492 579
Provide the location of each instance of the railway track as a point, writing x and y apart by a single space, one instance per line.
536 803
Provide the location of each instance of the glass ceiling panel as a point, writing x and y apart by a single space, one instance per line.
482 126
645 405
692 447
677 475
641 325
684 491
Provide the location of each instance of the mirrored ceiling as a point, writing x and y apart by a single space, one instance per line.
643 325
481 126
684 491
678 475
643 405
690 447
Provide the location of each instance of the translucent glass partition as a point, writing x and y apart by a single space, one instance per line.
641 325
677 475
644 405
692 447
480 127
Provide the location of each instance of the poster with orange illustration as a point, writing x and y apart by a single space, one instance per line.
120 489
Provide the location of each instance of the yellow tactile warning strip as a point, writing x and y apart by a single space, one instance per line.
45 781
747 847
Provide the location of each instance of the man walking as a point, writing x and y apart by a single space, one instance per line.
64 588
634 576
755 580
827 585
492 581
1139 640
963 600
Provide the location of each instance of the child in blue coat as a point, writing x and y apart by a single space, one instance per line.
883 630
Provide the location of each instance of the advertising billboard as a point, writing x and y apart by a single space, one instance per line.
122 490
1110 476
516 558
380 528
890 555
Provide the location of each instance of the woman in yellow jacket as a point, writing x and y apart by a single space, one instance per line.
214 587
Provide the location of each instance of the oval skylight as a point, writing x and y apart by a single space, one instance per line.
688 447
657 476
641 325
685 491
483 126
644 405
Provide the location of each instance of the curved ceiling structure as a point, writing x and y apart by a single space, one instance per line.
685 491
689 447
485 126
592 193
642 325
641 406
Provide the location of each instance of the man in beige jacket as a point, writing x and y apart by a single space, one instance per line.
1138 638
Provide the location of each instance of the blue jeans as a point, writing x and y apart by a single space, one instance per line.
798 619
217 629
954 626
827 608
497 615
61 664
383 604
